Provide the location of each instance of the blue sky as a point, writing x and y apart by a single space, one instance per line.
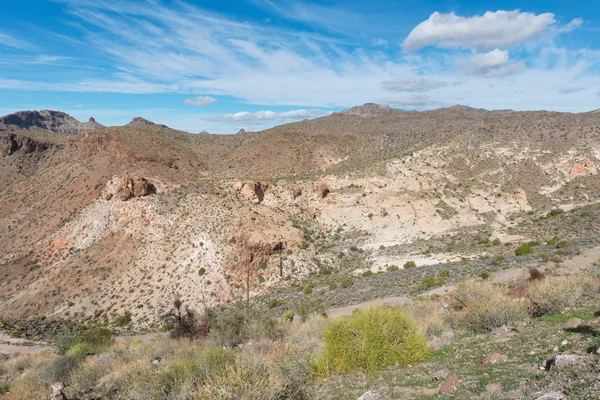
224 65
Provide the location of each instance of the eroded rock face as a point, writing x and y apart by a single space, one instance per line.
10 144
127 187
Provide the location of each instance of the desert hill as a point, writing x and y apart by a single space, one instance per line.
85 236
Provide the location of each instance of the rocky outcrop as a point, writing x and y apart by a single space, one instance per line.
139 121
370 110
251 191
11 143
46 120
128 187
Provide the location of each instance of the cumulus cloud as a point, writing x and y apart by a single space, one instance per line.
571 89
412 85
481 32
265 116
415 101
200 101
491 64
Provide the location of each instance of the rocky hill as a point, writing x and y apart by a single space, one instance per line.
53 121
128 217
370 110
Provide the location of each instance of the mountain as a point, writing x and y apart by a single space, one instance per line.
53 121
370 110
124 219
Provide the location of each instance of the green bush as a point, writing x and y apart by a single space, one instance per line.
346 282
309 288
484 275
370 340
201 271
367 273
272 303
288 316
523 250
431 282
445 273
123 320
392 268
59 368
563 244
64 340
410 264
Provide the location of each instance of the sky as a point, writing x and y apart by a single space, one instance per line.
220 66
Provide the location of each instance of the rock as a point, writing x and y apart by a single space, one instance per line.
57 391
296 192
551 396
520 329
572 323
500 333
251 191
311 212
128 187
493 388
323 189
494 358
564 360
451 384
593 321
372 395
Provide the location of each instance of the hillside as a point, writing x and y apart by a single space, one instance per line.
221 200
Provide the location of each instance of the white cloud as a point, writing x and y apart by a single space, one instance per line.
481 32
571 89
412 85
200 101
265 116
492 64
576 23
10 41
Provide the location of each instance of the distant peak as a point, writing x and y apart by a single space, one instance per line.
241 131
91 119
140 121
370 110
45 120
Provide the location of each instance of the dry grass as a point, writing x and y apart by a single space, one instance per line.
556 294
484 306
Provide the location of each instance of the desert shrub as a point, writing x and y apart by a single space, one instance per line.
367 273
346 282
60 368
370 340
563 244
309 288
552 241
410 264
238 381
431 282
96 338
484 306
182 319
64 340
26 388
123 320
484 275
288 316
445 273
272 303
535 274
498 258
201 271
192 370
523 250
392 268
555 295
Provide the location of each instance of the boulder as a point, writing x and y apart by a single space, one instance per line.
572 323
451 384
323 189
564 360
128 187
